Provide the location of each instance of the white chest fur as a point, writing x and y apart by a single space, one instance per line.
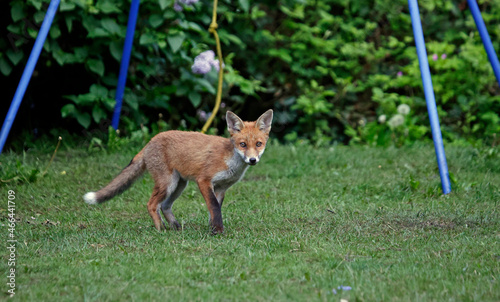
236 169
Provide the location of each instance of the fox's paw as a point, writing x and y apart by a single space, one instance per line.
176 226
217 229
90 198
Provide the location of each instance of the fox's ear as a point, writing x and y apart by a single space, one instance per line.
264 121
234 123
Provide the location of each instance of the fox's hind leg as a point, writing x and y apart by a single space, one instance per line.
159 194
166 206
165 186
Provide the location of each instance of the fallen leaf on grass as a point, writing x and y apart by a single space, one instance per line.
48 222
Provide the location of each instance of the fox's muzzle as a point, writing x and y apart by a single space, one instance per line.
252 161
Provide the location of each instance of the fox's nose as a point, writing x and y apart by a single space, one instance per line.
253 161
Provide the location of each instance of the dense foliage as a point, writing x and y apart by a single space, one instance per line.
333 70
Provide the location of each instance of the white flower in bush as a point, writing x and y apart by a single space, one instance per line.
204 62
382 118
403 109
208 55
201 67
215 64
396 121
177 7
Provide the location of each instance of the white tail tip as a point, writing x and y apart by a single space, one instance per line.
90 198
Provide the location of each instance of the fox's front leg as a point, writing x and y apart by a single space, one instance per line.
220 196
213 206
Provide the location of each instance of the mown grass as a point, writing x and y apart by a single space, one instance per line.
302 223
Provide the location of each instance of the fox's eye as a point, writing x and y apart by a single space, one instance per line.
258 144
243 145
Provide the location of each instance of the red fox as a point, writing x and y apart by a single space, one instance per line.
175 157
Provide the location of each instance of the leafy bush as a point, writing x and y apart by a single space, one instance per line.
329 68
361 56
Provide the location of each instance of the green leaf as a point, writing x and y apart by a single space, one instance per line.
55 32
5 67
147 38
257 13
58 55
98 32
206 84
175 41
67 6
83 119
155 20
99 91
115 48
68 110
164 4
96 66
85 99
298 12
108 7
32 32
81 54
282 54
14 28
414 184
195 98
161 101
245 5
98 114
195 27
72 97
109 103
17 13
111 26
69 23
36 4
39 16
131 100
453 178
162 44
182 90
225 37
15 56
169 14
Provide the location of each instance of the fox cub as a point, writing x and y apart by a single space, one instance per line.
175 157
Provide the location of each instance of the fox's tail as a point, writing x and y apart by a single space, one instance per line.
121 183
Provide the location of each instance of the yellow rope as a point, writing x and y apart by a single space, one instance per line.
213 29
53 156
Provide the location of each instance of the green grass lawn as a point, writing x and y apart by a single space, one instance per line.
302 223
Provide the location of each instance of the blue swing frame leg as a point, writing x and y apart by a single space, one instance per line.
127 50
429 95
485 37
28 71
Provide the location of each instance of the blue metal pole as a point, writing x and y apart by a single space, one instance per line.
483 32
127 50
429 95
28 71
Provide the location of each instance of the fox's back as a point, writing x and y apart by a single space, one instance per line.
194 155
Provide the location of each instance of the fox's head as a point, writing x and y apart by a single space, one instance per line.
249 138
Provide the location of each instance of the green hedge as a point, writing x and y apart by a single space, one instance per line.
332 70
